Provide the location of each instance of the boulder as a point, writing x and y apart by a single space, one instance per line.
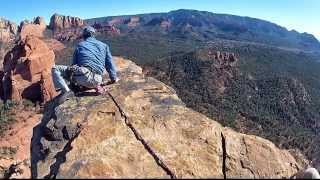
27 71
141 129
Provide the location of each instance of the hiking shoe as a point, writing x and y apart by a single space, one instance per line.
116 80
100 90
112 81
65 96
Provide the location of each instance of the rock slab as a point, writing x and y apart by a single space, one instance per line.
141 129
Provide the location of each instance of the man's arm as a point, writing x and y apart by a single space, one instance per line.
109 65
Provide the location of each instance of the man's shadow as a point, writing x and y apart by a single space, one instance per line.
37 151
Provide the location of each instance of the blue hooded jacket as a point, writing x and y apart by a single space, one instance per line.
96 55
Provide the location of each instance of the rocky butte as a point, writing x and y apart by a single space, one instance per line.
65 28
59 22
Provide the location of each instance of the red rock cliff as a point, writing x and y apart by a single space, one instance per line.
27 71
59 22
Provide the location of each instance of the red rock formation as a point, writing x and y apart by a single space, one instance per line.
106 29
27 69
58 22
66 28
35 29
222 60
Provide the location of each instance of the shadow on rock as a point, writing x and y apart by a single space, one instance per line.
38 152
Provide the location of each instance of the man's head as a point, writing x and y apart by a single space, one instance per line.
88 31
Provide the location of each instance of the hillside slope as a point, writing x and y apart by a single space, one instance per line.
266 92
206 26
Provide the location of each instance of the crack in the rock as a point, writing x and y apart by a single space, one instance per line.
244 167
224 156
142 141
242 163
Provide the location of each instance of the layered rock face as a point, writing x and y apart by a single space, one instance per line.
27 71
66 28
59 22
141 129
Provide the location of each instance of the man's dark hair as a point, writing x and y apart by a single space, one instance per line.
88 31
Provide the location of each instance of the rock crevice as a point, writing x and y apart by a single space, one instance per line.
224 156
142 141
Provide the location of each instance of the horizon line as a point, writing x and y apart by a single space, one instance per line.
88 18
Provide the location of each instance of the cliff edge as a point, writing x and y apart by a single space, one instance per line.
141 129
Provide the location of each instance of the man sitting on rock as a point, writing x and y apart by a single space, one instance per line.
91 59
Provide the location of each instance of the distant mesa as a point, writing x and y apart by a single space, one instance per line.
68 28
206 26
60 22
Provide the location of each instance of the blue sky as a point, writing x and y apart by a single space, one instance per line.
302 15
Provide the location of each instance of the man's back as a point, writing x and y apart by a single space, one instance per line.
92 58
92 53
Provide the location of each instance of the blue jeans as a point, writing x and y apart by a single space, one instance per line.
81 76
59 74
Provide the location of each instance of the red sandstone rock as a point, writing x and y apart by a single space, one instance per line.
27 70
31 29
58 22
36 28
